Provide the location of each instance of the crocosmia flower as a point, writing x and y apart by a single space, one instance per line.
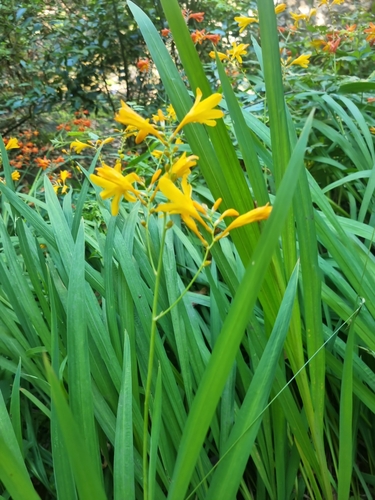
116 185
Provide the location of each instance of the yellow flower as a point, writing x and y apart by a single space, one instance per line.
372 130
298 17
244 21
182 166
78 146
106 141
302 61
116 185
257 214
317 43
16 175
157 153
65 174
127 116
156 176
237 51
312 13
337 2
280 8
12 144
159 117
181 203
323 2
171 112
221 55
202 112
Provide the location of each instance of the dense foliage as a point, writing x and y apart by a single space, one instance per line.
145 352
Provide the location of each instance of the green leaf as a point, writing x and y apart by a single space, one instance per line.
226 347
124 486
228 475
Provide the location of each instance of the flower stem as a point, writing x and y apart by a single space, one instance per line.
163 313
151 364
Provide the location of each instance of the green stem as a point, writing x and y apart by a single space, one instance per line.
150 366
163 313
148 241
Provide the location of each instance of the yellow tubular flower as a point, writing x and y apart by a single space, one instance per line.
202 112
302 61
317 43
182 204
156 176
312 13
323 2
65 174
116 185
78 146
257 214
182 166
298 17
127 116
280 8
237 51
337 2
16 175
221 55
159 117
217 204
12 144
244 21
171 112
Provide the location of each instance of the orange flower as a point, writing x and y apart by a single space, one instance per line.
198 36
165 32
332 46
213 38
197 16
371 33
143 65
42 162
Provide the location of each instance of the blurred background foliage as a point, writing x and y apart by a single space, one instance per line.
80 54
